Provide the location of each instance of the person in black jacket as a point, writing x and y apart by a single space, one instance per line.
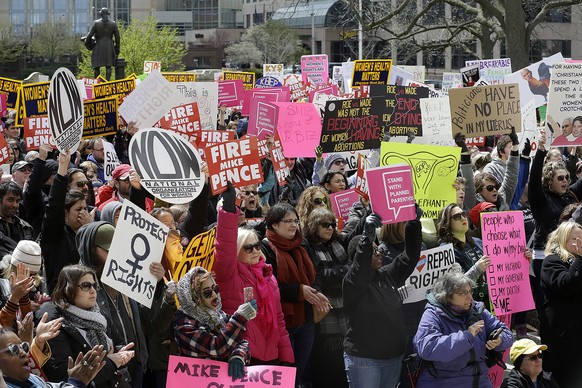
12 228
526 357
376 340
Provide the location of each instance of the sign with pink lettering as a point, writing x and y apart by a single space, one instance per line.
503 236
198 372
280 94
230 93
262 118
299 127
314 68
341 203
391 193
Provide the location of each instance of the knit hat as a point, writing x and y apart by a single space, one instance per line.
330 160
475 213
104 235
29 253
522 348
50 168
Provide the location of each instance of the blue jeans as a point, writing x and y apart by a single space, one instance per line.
372 373
302 342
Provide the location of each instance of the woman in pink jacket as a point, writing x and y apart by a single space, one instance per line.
238 264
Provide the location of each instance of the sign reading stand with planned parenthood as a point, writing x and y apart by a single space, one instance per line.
65 110
168 165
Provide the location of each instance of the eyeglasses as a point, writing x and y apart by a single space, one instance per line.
295 221
339 162
207 292
458 216
249 192
326 225
86 286
248 248
534 357
14 349
464 292
562 177
82 183
491 187
98 149
319 201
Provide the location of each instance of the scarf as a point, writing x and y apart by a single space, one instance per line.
267 315
91 321
293 266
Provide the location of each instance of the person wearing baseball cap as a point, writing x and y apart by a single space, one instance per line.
117 189
526 357
20 172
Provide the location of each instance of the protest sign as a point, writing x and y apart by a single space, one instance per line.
279 164
436 121
278 94
497 373
433 263
295 85
262 118
3 108
168 165
248 79
179 77
118 88
371 72
138 241
529 128
399 76
361 185
10 87
267 82
184 120
321 99
325 89
110 160
100 117
264 146
4 153
149 66
391 193
418 72
200 252
206 138
150 101
351 124
492 70
65 110
237 162
205 94
503 236
470 75
230 93
351 158
434 169
564 105
198 372
450 81
299 128
273 70
401 108
314 68
347 70
341 203
37 132
485 110
34 99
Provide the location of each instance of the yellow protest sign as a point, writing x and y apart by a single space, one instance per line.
247 78
434 169
118 88
179 77
200 252
371 72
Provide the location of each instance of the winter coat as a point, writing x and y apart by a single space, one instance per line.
516 379
508 182
104 30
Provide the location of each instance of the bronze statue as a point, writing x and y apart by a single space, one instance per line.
100 40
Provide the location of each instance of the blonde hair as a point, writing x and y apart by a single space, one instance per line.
558 240
244 235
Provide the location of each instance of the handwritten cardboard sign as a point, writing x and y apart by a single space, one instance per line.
149 66
138 241
11 88
200 252
230 93
183 119
485 110
434 169
503 235
314 68
168 165
279 164
371 72
101 117
197 372
236 162
436 121
37 132
299 128
179 77
450 81
432 264
205 94
248 79
65 110
342 202
391 193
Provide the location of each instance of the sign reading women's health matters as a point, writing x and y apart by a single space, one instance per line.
503 235
391 193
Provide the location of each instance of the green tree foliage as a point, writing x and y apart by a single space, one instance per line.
50 41
11 45
141 41
271 42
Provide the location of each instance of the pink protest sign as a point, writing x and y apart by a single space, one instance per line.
330 89
314 68
262 119
503 236
496 372
391 193
342 202
280 94
3 98
197 372
299 127
230 93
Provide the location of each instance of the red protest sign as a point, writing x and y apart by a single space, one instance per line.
237 162
279 164
37 132
361 184
182 119
264 148
206 139
4 154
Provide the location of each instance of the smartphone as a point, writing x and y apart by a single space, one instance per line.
248 294
495 334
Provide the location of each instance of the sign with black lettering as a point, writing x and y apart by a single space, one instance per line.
248 79
65 110
200 252
10 87
100 117
34 99
110 160
138 241
371 72
179 77
168 165
118 89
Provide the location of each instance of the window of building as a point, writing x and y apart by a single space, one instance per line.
459 55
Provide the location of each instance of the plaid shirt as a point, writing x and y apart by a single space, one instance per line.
197 340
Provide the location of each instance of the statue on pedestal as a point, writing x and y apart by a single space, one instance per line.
103 40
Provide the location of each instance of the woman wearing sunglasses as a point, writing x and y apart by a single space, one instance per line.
488 189
313 197
240 264
75 300
331 264
203 330
453 228
526 357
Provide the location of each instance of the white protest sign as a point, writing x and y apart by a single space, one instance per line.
152 99
206 95
65 110
110 160
149 66
432 264
320 99
436 121
273 70
138 241
168 165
